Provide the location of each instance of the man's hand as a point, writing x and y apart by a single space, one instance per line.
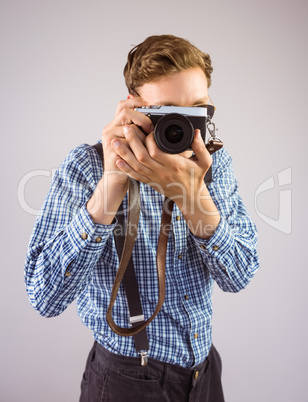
176 176
169 174
113 186
125 114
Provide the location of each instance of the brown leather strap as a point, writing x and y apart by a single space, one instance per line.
129 280
130 238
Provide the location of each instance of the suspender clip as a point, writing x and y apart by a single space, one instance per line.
144 357
136 319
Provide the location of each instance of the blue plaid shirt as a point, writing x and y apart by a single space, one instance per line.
71 258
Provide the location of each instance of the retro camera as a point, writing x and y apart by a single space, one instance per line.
174 126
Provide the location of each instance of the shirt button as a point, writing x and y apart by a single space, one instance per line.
84 236
180 256
203 247
178 218
215 248
67 274
186 297
98 239
196 335
196 374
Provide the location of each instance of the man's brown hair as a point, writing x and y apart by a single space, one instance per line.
161 55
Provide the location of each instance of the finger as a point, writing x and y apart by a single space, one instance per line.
124 167
129 116
139 149
112 131
202 155
126 114
123 149
157 154
131 103
138 132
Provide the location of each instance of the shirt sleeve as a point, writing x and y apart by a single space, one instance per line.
65 243
230 254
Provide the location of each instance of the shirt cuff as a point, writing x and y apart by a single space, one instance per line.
219 244
83 232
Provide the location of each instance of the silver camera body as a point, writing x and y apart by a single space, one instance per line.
174 126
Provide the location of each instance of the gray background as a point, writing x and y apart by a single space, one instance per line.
61 78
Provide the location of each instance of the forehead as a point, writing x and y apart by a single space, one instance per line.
184 88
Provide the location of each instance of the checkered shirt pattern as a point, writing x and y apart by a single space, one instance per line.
63 264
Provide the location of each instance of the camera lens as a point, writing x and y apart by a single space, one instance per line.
174 133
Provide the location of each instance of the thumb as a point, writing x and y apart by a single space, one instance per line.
203 157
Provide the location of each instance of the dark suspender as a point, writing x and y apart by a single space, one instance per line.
130 282
129 278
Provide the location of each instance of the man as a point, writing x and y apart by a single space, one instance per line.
72 254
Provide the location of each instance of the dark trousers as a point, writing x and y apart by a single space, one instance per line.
113 378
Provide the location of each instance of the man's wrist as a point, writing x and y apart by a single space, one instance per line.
106 199
200 213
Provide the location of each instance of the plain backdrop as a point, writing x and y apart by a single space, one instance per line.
61 78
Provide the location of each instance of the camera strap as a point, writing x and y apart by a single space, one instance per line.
130 238
126 271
